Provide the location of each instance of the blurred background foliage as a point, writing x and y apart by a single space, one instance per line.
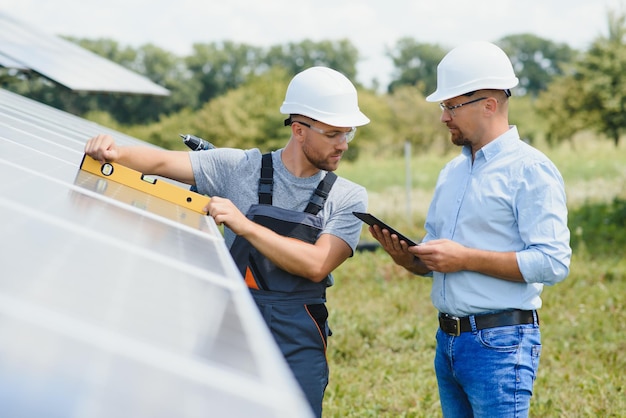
229 93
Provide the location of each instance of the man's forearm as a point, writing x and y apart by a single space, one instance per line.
171 164
502 265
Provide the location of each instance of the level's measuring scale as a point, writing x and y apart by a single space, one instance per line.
152 185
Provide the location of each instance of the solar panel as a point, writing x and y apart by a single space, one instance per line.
10 63
116 303
24 46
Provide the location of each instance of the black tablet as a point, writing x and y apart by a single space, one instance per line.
370 219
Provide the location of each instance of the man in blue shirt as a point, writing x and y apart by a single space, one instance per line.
496 232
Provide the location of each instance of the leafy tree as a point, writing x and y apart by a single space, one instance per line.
523 113
536 60
340 55
249 116
219 67
561 107
245 117
604 82
415 64
377 137
593 94
415 120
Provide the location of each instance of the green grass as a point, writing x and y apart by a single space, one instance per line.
383 323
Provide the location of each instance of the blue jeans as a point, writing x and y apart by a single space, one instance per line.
488 373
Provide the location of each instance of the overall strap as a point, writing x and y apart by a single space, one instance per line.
266 182
266 186
318 198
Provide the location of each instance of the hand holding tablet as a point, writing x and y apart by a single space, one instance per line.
371 220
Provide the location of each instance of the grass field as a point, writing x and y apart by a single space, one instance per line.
382 348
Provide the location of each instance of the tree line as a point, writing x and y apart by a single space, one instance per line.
230 92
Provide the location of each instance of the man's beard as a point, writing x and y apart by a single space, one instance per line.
457 138
317 160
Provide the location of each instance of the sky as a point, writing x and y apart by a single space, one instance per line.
372 26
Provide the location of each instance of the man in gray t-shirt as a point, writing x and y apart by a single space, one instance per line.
234 174
288 218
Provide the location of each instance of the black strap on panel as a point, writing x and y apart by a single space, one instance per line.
266 182
318 198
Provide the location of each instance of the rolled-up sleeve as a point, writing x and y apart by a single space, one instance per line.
542 216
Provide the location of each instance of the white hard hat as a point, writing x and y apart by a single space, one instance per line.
470 67
325 95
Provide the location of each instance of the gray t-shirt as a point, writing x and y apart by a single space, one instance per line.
234 174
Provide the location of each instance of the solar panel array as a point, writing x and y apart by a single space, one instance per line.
25 47
115 303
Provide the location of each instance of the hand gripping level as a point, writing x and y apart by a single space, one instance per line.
135 179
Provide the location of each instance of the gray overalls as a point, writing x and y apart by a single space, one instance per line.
293 307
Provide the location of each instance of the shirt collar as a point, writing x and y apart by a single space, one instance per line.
497 145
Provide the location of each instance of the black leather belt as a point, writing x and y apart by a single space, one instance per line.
455 325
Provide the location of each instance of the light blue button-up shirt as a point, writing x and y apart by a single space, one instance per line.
511 198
